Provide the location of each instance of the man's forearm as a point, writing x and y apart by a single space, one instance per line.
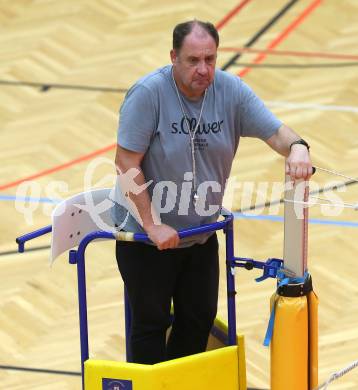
132 183
298 160
282 139
141 204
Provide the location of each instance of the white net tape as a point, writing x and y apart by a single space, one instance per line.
337 375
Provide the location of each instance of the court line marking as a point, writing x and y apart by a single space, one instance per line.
283 35
80 159
311 106
33 249
231 14
44 87
237 214
58 372
100 151
291 53
28 199
112 146
321 65
313 221
260 32
40 370
57 168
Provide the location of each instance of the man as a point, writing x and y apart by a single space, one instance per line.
181 126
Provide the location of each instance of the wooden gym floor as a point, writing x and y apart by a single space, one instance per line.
80 57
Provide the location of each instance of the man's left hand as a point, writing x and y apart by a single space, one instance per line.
298 163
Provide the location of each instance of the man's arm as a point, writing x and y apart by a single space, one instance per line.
298 160
163 236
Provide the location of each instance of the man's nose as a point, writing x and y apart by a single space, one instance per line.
202 68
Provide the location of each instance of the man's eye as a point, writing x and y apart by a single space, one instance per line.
193 61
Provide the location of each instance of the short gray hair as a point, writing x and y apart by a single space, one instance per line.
181 30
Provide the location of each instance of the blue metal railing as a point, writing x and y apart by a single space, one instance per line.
270 269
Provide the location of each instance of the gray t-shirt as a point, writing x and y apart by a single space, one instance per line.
152 122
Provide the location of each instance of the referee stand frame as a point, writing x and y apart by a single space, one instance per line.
223 365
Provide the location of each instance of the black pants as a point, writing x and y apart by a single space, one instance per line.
189 276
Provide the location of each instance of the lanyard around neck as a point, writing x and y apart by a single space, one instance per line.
191 134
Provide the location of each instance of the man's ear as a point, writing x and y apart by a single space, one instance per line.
173 56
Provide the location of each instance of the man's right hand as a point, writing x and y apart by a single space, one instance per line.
163 236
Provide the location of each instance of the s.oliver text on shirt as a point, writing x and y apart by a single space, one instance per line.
203 128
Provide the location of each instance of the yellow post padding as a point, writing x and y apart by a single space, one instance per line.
313 315
216 369
294 343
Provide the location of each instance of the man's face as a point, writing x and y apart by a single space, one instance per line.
194 63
